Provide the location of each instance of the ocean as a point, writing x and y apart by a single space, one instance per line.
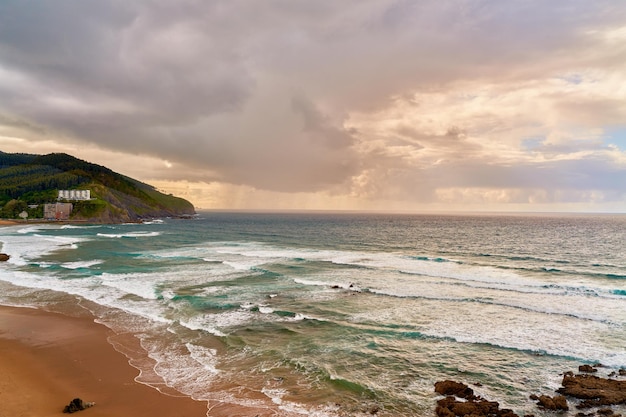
322 314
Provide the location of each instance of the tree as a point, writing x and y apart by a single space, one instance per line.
13 208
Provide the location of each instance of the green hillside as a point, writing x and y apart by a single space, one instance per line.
29 180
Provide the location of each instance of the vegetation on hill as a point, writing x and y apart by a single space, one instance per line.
33 180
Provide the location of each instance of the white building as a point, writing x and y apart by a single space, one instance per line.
74 195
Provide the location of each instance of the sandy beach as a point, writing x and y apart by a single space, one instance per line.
47 359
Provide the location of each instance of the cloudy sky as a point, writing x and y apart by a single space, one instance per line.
299 104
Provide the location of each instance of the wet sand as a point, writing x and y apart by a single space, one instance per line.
47 359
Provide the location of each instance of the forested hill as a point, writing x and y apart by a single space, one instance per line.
29 180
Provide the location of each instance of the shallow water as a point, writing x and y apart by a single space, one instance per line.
332 314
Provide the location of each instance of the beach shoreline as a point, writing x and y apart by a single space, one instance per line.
47 359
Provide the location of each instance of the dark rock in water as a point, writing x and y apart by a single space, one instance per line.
605 412
77 405
451 407
595 391
457 389
587 368
552 403
4 257
622 372
472 405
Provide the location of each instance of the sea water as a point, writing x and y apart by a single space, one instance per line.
339 314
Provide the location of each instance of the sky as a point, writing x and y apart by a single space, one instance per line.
386 105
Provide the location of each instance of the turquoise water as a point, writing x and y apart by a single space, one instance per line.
332 314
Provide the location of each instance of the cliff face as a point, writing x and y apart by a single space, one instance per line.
113 206
34 179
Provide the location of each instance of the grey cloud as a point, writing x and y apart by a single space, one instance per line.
257 93
589 174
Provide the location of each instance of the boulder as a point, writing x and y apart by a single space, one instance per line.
587 368
470 405
77 405
552 403
593 390
457 389
4 257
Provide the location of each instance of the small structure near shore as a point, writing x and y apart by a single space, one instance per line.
57 211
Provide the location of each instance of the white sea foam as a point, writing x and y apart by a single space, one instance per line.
575 305
349 286
265 310
95 290
73 226
180 371
197 323
290 408
500 326
24 248
242 266
204 356
254 254
142 285
275 394
129 235
300 317
81 264
219 324
155 221
31 229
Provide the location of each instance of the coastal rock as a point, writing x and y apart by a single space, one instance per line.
552 403
77 405
457 389
451 407
593 390
4 257
587 368
470 405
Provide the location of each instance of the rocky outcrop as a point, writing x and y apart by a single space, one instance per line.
593 390
4 257
469 405
454 388
558 402
77 405
120 207
620 372
587 368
